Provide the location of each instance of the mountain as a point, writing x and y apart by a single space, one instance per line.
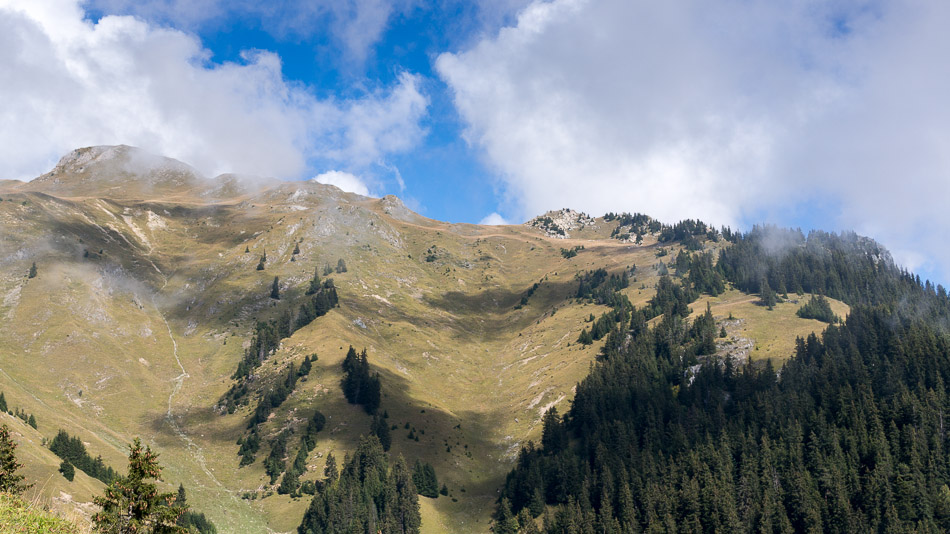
148 297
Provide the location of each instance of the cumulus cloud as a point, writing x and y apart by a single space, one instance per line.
345 181
493 219
727 111
69 82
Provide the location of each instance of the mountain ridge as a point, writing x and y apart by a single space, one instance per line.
473 330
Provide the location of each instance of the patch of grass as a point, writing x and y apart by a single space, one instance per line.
773 331
18 516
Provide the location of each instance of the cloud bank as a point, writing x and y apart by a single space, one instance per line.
69 82
728 111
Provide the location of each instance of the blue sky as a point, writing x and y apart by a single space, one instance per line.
827 115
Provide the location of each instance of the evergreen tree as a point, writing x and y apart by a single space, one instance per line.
32 271
505 521
296 249
260 264
31 421
132 504
585 338
380 428
10 481
314 282
3 403
423 476
67 469
818 308
766 294
275 289
330 470
340 266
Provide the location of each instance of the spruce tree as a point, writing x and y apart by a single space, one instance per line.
3 403
67 469
10 481
132 504
275 289
340 266
296 249
330 470
33 270
314 282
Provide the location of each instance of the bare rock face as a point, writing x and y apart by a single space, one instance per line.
558 224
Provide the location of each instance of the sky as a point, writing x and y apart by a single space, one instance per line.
812 114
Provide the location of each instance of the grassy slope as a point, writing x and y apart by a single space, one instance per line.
458 361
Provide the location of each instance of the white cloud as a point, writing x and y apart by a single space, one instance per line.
345 181
727 111
68 83
493 219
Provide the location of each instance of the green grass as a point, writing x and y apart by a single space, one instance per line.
457 360
772 331
18 516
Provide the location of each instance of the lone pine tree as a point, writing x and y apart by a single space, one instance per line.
132 504
10 481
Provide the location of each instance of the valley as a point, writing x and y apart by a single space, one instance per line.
147 294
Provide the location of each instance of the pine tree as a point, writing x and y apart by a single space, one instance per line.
275 289
405 510
31 421
381 429
33 270
247 249
505 521
132 504
3 403
67 469
766 294
330 470
296 249
260 264
314 282
10 481
340 266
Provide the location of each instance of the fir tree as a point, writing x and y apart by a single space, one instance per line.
314 283
296 249
380 428
10 481
31 421
132 504
330 470
340 266
3 403
275 289
32 271
67 469
766 294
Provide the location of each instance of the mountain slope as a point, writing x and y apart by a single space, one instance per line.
147 293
